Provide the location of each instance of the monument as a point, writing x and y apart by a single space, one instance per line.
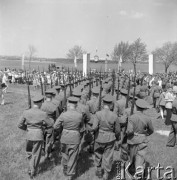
151 64
120 63
86 64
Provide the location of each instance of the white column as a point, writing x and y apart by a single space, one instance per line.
75 62
86 64
23 61
151 64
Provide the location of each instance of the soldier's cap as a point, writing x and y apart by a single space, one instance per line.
87 82
50 92
62 85
73 100
106 80
131 97
70 83
108 98
95 90
37 98
80 87
142 104
57 87
124 91
77 93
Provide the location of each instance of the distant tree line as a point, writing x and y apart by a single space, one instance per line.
135 52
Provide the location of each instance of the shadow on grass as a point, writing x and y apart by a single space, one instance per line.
85 162
53 162
113 173
7 103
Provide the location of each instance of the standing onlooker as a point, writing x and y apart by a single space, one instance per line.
161 102
168 103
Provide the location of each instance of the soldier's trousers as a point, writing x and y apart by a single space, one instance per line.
172 136
69 157
33 150
137 155
104 155
49 140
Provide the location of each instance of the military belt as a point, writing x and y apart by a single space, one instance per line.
102 131
137 134
67 131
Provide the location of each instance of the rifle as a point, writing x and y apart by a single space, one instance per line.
113 85
90 86
133 103
117 97
42 92
128 92
64 102
29 95
69 82
100 92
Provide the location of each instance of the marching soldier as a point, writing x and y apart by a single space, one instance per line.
93 106
119 106
50 109
71 123
139 127
106 123
58 98
33 121
172 136
83 109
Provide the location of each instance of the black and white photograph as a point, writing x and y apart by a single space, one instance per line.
88 89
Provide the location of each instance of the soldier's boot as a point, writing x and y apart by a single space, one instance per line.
69 178
65 170
105 176
31 175
91 149
99 172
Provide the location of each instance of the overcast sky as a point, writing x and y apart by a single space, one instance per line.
54 26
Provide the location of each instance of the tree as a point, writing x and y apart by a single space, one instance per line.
167 54
76 51
137 53
31 50
121 50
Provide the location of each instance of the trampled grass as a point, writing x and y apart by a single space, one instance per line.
12 147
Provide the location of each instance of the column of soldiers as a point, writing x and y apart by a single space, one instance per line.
102 113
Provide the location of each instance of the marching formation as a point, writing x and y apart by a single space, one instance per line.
102 113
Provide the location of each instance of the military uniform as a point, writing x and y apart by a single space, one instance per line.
106 123
139 127
83 109
119 106
93 106
172 136
58 98
71 122
50 108
33 121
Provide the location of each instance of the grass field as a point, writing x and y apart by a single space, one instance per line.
143 67
12 149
